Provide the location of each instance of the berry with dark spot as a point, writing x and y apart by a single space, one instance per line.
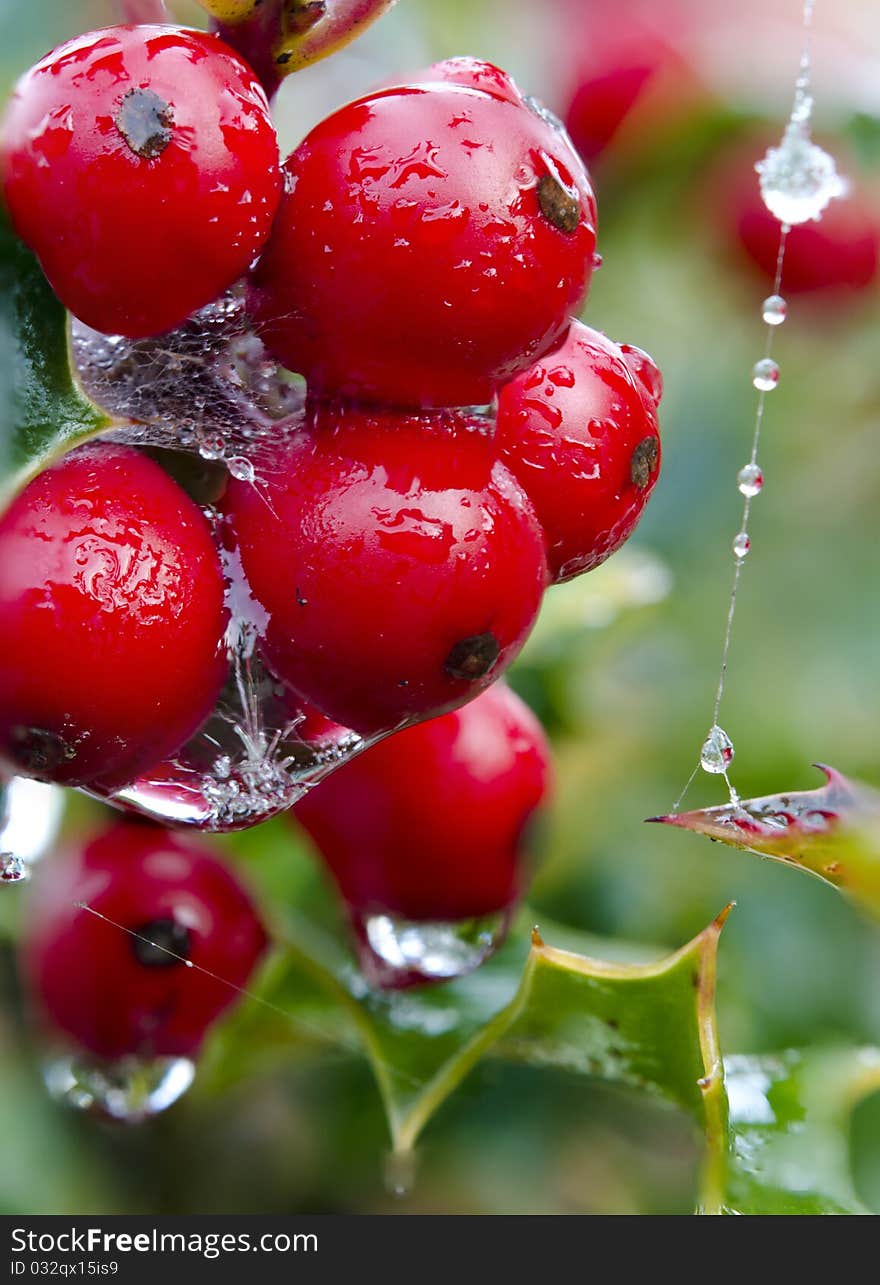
400 563
113 925
432 241
112 617
141 166
580 431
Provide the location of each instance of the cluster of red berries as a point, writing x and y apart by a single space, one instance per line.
464 444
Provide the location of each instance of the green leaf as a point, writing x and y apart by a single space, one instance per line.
648 1025
42 411
832 832
790 1117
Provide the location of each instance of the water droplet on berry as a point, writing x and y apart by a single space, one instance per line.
241 468
211 445
765 375
741 545
798 179
717 753
130 1090
750 480
774 310
397 952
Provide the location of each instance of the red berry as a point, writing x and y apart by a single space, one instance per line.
115 994
473 73
112 618
399 562
579 430
431 824
630 81
431 242
141 165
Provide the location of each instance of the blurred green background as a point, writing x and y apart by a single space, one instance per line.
622 668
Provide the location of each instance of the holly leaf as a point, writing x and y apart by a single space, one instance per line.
648 1024
832 832
42 410
790 1135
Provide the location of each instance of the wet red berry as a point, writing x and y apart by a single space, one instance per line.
431 824
473 73
428 824
141 165
400 564
122 987
579 430
112 618
431 242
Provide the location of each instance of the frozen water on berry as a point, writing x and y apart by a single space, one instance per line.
765 375
750 480
210 378
741 545
798 179
774 310
255 756
30 815
717 753
130 1090
545 114
395 951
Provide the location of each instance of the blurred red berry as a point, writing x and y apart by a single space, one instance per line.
122 987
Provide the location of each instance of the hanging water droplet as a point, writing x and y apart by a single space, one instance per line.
396 952
30 815
12 868
241 468
774 310
130 1090
400 1172
741 545
716 755
750 480
798 179
765 375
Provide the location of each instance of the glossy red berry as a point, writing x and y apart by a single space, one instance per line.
431 242
400 564
141 166
113 978
473 73
112 617
579 430
432 823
